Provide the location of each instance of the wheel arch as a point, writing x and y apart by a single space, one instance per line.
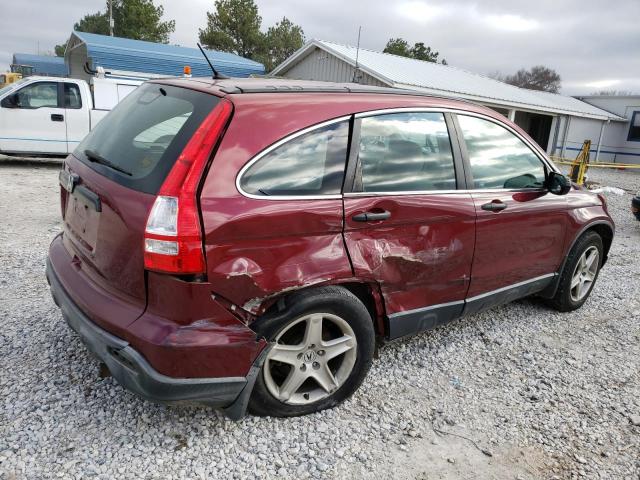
368 293
605 229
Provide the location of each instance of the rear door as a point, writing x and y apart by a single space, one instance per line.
34 122
520 228
111 180
407 227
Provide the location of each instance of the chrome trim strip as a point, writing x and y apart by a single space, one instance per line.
441 192
278 144
370 113
471 299
426 309
509 287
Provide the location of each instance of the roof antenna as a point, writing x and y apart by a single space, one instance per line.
216 75
355 71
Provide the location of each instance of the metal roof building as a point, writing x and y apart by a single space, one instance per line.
87 51
541 114
42 64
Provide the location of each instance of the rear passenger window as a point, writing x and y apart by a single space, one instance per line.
498 158
405 152
72 96
311 164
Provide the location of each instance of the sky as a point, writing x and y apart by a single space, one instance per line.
593 45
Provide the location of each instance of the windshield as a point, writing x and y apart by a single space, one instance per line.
138 142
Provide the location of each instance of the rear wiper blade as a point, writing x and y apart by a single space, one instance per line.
97 158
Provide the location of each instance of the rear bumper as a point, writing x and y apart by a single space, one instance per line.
133 372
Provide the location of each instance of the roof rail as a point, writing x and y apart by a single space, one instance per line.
338 88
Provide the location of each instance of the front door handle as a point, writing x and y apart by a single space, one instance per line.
57 117
494 206
371 216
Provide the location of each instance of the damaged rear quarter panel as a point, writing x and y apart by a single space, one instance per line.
258 249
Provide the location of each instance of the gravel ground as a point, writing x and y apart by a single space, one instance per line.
520 392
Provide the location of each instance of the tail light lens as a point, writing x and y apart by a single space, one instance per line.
173 235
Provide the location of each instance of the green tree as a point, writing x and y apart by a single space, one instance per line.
281 41
399 46
234 27
136 19
421 52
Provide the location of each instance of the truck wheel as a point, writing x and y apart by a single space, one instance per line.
322 345
579 274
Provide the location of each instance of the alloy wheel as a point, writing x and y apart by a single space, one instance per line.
311 358
585 273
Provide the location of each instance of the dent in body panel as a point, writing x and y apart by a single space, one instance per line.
197 336
396 264
249 274
421 255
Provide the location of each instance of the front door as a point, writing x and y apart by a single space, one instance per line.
406 226
520 225
35 121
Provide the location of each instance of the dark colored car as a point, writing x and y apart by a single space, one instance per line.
635 206
245 242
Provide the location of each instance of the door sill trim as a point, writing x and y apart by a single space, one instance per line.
414 321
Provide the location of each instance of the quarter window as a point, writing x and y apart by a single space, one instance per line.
634 128
498 158
405 152
311 164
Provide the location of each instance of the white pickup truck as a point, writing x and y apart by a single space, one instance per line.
51 115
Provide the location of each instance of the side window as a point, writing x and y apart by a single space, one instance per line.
38 95
311 164
634 128
405 152
72 97
498 158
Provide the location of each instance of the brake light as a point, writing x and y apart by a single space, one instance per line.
173 234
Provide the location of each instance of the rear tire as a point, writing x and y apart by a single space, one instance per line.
322 348
579 274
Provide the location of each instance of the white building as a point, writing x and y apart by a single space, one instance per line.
545 116
620 140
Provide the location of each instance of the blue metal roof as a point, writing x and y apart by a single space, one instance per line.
156 58
42 64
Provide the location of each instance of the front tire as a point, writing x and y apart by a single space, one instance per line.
322 344
579 274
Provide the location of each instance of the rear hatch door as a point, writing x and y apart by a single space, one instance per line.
108 186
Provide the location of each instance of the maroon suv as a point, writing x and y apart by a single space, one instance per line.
243 243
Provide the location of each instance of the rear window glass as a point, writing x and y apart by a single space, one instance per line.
138 142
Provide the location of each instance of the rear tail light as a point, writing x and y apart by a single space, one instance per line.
173 235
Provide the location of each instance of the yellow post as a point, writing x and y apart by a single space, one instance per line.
580 165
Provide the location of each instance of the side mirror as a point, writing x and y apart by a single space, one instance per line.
10 102
558 184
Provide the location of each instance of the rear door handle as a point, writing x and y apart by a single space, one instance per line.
57 117
371 216
494 206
